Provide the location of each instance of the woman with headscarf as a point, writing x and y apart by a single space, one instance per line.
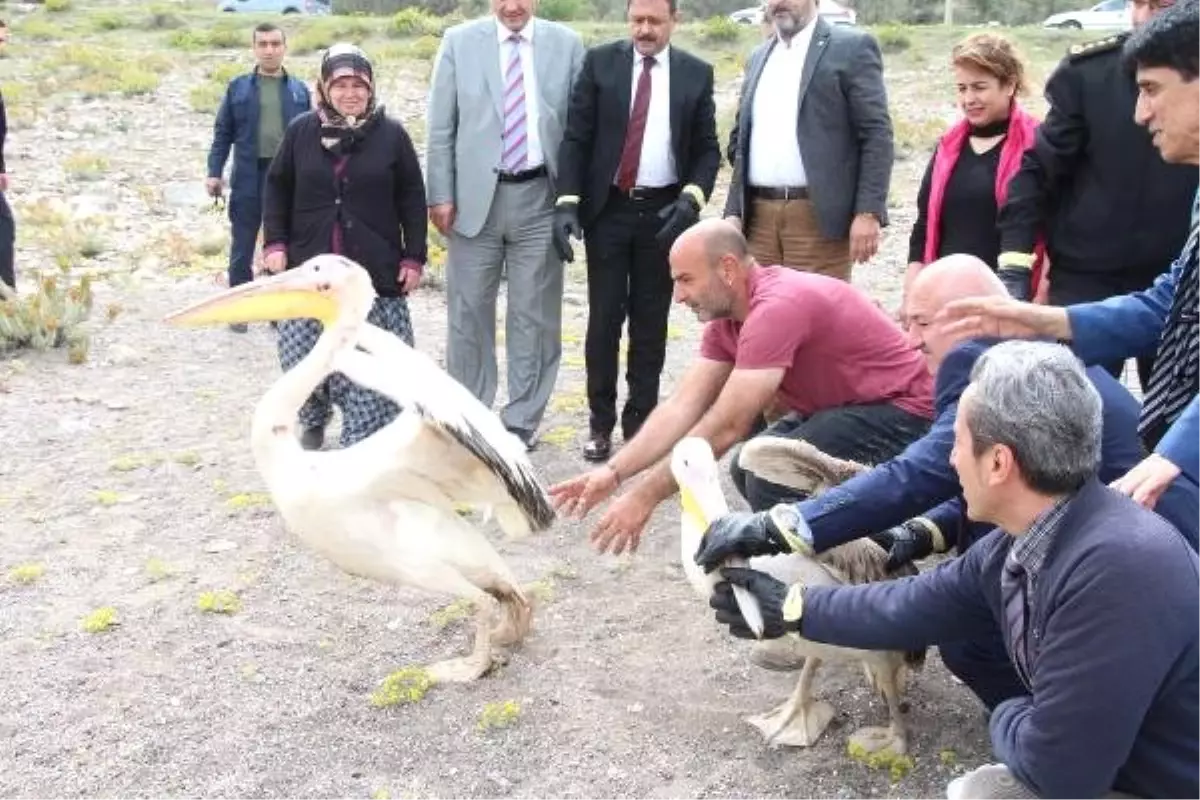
346 180
967 179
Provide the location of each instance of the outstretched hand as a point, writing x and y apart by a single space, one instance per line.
1003 317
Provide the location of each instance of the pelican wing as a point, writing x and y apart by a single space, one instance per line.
418 385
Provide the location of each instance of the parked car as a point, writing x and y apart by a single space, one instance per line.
277 6
1109 15
834 13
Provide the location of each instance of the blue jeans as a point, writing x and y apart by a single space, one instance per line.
868 434
245 218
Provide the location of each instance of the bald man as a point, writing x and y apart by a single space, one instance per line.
773 336
921 478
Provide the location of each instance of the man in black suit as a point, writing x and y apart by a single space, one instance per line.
812 144
637 162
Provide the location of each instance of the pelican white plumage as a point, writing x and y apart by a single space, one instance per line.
386 507
800 720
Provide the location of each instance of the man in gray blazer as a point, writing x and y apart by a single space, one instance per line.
497 108
812 145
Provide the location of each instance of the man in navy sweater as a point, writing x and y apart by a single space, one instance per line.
1095 596
921 477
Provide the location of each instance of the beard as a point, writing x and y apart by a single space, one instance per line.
787 23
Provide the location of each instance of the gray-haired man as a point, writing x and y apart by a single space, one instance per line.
1095 596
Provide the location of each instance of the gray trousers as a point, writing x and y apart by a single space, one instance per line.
516 239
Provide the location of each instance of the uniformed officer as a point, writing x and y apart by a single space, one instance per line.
1113 213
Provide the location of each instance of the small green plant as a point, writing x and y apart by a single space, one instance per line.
206 97
221 601
57 6
892 39
407 685
52 316
244 500
130 462
425 48
106 497
85 166
447 615
898 766
720 29
157 570
948 758
414 21
499 715
26 574
105 20
100 620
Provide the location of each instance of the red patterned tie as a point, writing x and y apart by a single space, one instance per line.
631 153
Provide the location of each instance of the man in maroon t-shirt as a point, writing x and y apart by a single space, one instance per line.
853 386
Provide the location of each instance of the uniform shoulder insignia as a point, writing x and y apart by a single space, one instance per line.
1086 49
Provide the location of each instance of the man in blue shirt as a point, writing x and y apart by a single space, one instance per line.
1161 320
254 113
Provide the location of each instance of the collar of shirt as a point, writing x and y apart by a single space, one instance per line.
801 39
503 34
1031 549
661 59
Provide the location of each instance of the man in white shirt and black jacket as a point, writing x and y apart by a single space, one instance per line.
637 162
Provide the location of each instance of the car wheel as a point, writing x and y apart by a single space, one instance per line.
1071 25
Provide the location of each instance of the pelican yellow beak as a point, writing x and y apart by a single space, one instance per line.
692 509
289 295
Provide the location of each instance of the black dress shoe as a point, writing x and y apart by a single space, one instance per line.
598 447
312 438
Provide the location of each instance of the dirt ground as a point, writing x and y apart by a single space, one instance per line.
128 482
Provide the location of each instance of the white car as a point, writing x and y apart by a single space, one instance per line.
1109 15
834 13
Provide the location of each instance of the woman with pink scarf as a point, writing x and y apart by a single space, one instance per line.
967 178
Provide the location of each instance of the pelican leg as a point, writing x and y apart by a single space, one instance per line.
893 738
479 662
516 615
800 721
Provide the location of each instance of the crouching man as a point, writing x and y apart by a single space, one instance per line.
1095 596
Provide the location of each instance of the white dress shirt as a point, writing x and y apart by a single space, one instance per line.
533 141
774 151
657 164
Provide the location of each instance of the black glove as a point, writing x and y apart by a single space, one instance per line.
772 596
1016 280
749 534
905 543
679 216
566 225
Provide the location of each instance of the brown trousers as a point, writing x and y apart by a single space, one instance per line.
785 232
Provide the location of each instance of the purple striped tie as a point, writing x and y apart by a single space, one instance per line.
514 141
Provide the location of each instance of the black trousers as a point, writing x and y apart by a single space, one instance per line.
628 278
8 232
1068 287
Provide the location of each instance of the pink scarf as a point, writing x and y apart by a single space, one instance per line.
1021 130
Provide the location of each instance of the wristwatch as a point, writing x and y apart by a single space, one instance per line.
788 521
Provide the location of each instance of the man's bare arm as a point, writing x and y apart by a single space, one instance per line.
746 394
698 389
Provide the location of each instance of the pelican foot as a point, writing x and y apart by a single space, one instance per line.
461 670
793 725
879 740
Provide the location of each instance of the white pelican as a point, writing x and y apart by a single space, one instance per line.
385 508
800 721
